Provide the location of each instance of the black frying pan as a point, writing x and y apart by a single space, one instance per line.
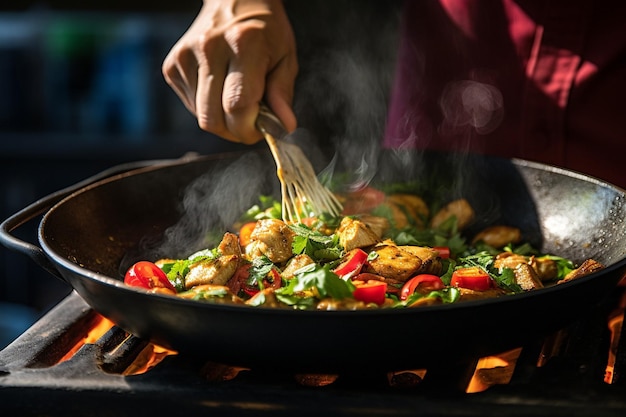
90 234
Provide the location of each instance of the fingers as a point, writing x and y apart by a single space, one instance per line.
229 89
227 63
253 77
212 69
279 92
180 72
245 82
240 102
223 90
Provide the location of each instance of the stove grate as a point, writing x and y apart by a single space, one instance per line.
51 370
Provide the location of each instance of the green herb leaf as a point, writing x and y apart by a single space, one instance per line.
445 235
204 254
268 208
297 301
205 294
319 279
259 269
176 273
446 295
448 265
318 246
564 266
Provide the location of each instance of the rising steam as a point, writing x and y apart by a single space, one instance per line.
342 92
347 65
214 201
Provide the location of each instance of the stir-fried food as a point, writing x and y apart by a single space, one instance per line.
386 251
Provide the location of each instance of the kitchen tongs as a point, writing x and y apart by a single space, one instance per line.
299 184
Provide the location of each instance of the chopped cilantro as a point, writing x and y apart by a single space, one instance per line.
205 294
204 254
268 208
319 280
446 295
176 272
318 246
564 266
261 266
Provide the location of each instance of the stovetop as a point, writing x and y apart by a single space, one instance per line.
564 375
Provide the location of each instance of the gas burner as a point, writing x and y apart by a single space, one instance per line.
75 362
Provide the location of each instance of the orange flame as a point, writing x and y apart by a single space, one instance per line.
493 370
101 326
149 357
616 320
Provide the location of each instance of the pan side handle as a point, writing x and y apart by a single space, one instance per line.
40 207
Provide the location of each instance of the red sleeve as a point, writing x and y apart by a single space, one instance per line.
530 79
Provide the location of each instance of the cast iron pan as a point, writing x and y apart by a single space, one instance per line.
90 234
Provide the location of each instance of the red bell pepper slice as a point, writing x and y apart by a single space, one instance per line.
472 278
426 281
356 260
145 274
444 251
245 232
371 292
363 201
238 280
276 280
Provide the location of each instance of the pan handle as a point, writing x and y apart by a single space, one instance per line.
41 206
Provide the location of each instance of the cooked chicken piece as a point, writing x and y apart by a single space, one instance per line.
229 245
416 203
296 263
546 269
393 262
412 205
467 294
588 267
378 225
332 304
214 293
216 271
431 262
354 233
399 216
460 208
498 236
509 260
212 271
526 277
272 238
164 261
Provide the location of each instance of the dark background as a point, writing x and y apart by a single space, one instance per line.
81 90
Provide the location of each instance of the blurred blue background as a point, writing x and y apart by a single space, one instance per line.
81 90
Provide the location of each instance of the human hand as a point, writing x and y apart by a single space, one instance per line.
235 54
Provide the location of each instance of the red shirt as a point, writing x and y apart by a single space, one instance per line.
540 80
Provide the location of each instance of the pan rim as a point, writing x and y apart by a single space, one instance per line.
113 282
